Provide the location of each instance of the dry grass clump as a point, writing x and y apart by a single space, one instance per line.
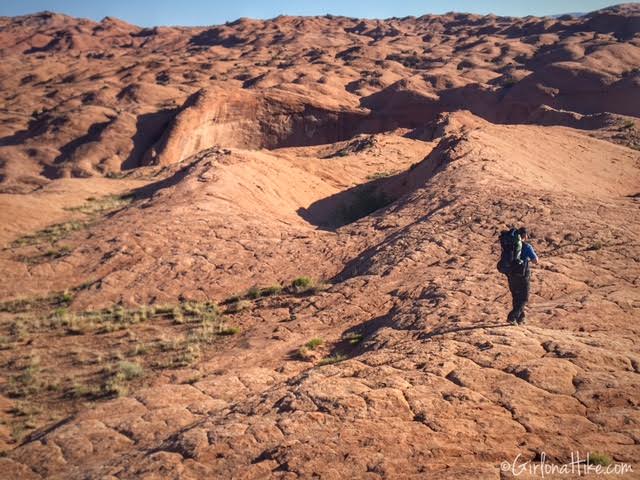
337 358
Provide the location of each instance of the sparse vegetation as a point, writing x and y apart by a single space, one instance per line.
116 381
337 358
92 210
226 331
27 381
22 305
595 246
50 254
628 124
253 293
231 299
304 353
130 370
353 338
314 343
26 414
302 284
380 175
238 306
50 234
307 285
79 390
270 291
98 206
256 292
603 459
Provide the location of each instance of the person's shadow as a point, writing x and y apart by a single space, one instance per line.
440 332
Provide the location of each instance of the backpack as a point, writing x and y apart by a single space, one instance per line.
511 245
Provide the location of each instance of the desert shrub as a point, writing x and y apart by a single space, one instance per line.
304 353
78 325
603 459
353 338
253 293
50 234
227 331
270 291
380 175
27 381
307 285
177 315
114 386
595 246
190 355
130 370
314 343
139 349
238 306
79 390
332 359
302 284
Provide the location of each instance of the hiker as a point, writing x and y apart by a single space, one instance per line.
514 263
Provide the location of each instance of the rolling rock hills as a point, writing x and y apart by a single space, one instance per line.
146 168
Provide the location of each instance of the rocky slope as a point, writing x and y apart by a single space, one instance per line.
182 166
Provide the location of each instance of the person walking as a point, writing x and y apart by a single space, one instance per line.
520 280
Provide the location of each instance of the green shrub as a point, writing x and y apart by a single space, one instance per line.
314 343
253 293
353 338
302 284
380 175
238 306
332 359
130 370
603 459
79 390
226 331
304 353
270 291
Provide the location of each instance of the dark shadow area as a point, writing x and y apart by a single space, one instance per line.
443 331
216 36
41 433
53 43
349 205
92 135
149 190
361 264
316 126
362 200
149 129
352 339
37 126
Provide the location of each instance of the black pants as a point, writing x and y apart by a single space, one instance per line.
519 287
